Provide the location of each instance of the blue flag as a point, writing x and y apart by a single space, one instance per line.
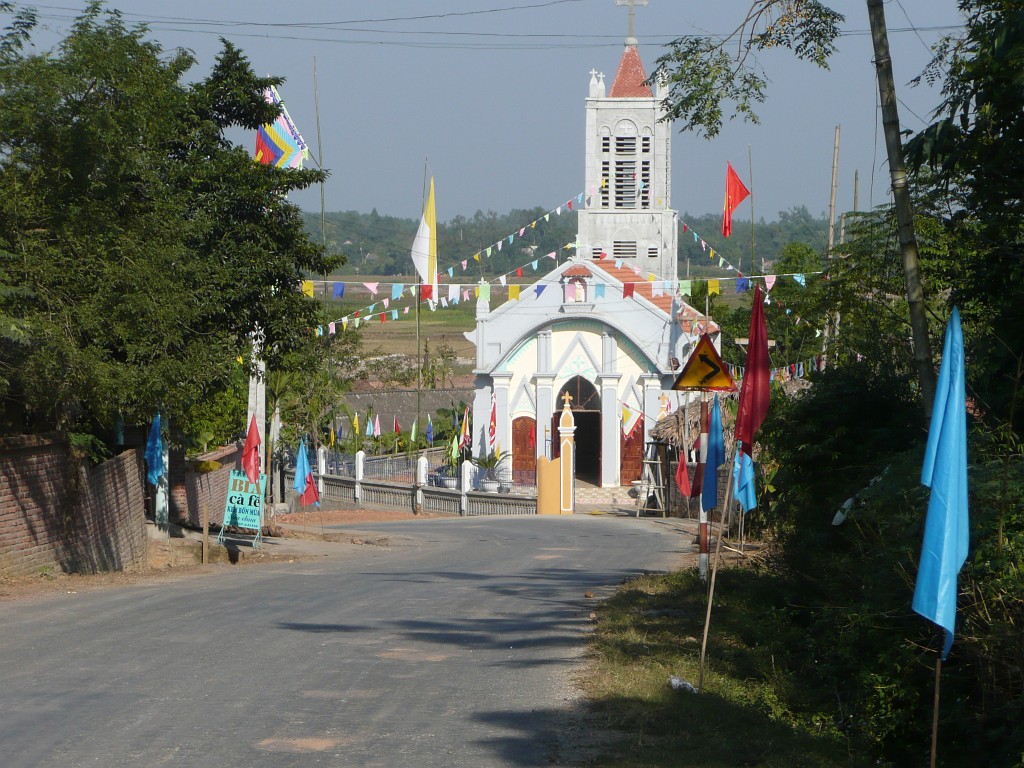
946 539
154 453
714 459
744 488
430 430
302 469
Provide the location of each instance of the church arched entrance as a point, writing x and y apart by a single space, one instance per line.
586 411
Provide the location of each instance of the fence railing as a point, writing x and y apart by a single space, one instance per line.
415 484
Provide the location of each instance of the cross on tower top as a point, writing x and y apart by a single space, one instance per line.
631 40
567 399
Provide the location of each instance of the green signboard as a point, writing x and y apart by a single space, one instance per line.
243 507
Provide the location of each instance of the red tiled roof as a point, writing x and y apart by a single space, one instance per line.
629 80
643 287
577 270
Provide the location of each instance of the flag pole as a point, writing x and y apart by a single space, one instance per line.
714 567
750 168
419 301
935 710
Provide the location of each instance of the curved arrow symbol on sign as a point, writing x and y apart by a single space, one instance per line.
715 370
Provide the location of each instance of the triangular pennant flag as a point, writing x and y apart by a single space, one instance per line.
372 287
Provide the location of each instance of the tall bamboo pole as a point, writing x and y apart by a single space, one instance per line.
901 203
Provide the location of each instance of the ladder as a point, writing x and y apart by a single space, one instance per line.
652 484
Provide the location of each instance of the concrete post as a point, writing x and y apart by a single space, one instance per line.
360 467
567 456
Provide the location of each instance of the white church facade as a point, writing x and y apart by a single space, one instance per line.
608 326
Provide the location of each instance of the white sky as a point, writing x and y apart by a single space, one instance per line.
495 98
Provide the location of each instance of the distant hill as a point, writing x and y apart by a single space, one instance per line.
379 245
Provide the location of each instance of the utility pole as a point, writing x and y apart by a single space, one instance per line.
901 202
832 197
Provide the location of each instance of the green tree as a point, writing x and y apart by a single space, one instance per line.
970 159
140 248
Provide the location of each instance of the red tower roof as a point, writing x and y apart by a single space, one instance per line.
630 80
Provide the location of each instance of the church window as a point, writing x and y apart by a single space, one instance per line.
626 181
606 144
645 145
624 249
652 252
645 188
605 183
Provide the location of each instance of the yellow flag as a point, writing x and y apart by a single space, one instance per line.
307 288
513 293
424 245
713 287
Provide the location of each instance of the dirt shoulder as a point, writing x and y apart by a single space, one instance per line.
295 537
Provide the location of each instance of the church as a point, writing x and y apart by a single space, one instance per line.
607 327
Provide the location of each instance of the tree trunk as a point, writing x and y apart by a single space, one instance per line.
901 202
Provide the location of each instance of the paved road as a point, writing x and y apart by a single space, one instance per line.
453 647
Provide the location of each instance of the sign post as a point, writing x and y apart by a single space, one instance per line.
243 507
705 371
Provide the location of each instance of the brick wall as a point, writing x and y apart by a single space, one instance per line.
58 513
209 488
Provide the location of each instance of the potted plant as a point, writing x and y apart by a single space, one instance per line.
488 465
447 475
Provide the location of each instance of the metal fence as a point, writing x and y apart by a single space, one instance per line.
390 481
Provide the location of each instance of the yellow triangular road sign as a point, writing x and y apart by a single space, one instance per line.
705 370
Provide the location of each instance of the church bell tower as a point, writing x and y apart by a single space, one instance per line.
628 164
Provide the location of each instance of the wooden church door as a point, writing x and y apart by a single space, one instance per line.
524 450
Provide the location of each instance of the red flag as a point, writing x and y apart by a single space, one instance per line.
426 292
312 494
398 429
251 453
735 193
627 290
492 428
682 477
755 391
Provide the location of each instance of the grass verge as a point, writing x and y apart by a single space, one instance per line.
750 713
